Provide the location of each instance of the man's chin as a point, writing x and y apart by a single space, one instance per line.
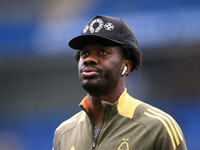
94 89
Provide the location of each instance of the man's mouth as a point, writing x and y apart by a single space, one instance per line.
89 72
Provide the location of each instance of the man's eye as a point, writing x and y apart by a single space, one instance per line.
84 53
103 52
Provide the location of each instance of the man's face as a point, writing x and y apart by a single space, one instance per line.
99 68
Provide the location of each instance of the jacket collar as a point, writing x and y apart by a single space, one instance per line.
126 105
85 107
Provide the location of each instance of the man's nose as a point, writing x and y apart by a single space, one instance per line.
91 59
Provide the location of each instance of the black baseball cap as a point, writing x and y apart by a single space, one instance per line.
104 28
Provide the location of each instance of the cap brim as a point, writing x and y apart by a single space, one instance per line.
81 41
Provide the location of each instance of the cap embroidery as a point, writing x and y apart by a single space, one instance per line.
86 28
108 26
100 25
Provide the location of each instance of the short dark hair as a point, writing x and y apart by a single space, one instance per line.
131 52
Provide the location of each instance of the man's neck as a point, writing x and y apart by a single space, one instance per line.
96 109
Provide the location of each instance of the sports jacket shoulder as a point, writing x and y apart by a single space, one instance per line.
129 124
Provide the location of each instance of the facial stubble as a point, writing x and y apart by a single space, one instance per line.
108 81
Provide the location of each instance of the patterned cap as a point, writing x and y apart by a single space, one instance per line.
104 28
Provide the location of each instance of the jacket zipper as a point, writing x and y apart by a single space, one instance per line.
93 138
94 142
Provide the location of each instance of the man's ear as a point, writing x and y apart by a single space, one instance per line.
128 64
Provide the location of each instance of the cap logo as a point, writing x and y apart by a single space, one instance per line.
108 26
86 28
99 27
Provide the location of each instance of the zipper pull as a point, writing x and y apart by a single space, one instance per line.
94 143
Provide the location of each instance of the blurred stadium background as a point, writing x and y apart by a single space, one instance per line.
39 86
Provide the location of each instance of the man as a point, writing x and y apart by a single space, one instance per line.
110 118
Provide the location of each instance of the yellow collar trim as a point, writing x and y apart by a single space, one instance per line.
127 105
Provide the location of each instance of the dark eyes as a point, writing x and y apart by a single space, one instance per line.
84 53
102 52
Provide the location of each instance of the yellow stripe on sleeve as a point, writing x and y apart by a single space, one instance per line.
174 123
166 126
169 122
